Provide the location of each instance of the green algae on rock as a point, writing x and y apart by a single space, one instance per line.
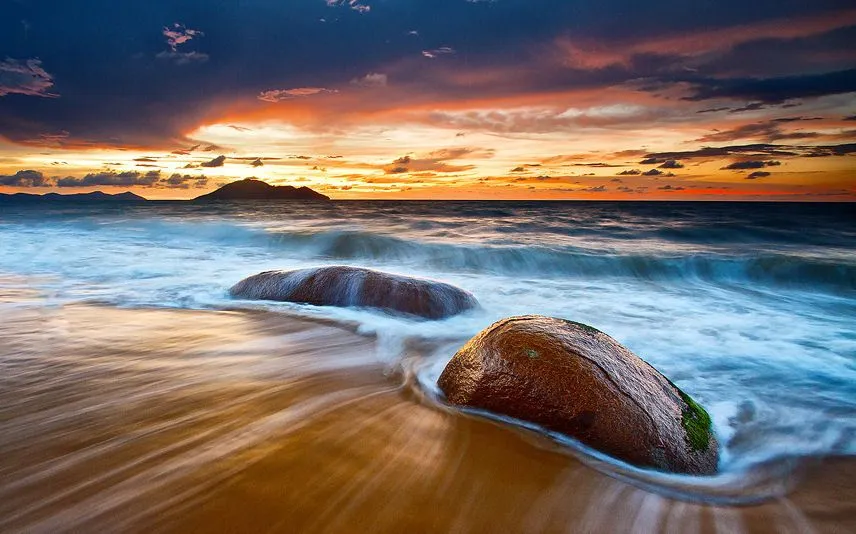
696 421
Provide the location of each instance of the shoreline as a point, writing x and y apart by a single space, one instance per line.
175 420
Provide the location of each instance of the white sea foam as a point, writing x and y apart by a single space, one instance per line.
759 326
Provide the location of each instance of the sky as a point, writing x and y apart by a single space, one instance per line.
432 99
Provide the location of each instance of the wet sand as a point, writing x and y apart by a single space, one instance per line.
216 421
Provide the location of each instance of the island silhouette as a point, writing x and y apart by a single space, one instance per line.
247 189
94 196
253 189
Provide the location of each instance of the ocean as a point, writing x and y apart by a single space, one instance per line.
748 307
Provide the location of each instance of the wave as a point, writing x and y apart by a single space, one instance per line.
767 269
517 256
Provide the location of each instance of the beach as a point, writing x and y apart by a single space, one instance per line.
137 394
142 420
464 267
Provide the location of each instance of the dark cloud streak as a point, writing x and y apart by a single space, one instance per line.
219 161
757 151
150 76
751 164
774 90
26 178
149 179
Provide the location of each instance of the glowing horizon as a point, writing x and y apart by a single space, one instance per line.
741 107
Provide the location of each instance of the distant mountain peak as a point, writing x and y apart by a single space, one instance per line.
254 189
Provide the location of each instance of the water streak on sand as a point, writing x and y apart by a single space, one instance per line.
224 421
114 415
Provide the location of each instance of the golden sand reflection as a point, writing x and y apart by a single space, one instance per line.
175 421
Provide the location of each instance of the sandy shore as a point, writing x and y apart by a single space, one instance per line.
180 421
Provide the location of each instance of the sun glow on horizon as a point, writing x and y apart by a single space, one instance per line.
549 111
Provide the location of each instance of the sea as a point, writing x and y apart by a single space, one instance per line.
748 307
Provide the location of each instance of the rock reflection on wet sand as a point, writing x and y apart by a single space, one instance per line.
178 421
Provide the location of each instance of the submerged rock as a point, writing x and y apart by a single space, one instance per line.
574 379
357 287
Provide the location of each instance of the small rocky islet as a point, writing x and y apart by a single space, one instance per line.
564 376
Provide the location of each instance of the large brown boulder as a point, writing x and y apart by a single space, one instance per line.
357 287
574 379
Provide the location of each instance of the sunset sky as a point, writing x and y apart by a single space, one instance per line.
432 99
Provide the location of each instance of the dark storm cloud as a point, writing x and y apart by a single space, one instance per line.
150 179
184 181
758 151
751 164
121 179
776 90
145 74
796 119
672 164
216 162
831 150
26 178
758 174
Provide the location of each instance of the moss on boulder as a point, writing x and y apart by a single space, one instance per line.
696 423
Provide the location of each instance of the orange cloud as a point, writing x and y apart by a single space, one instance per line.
597 55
